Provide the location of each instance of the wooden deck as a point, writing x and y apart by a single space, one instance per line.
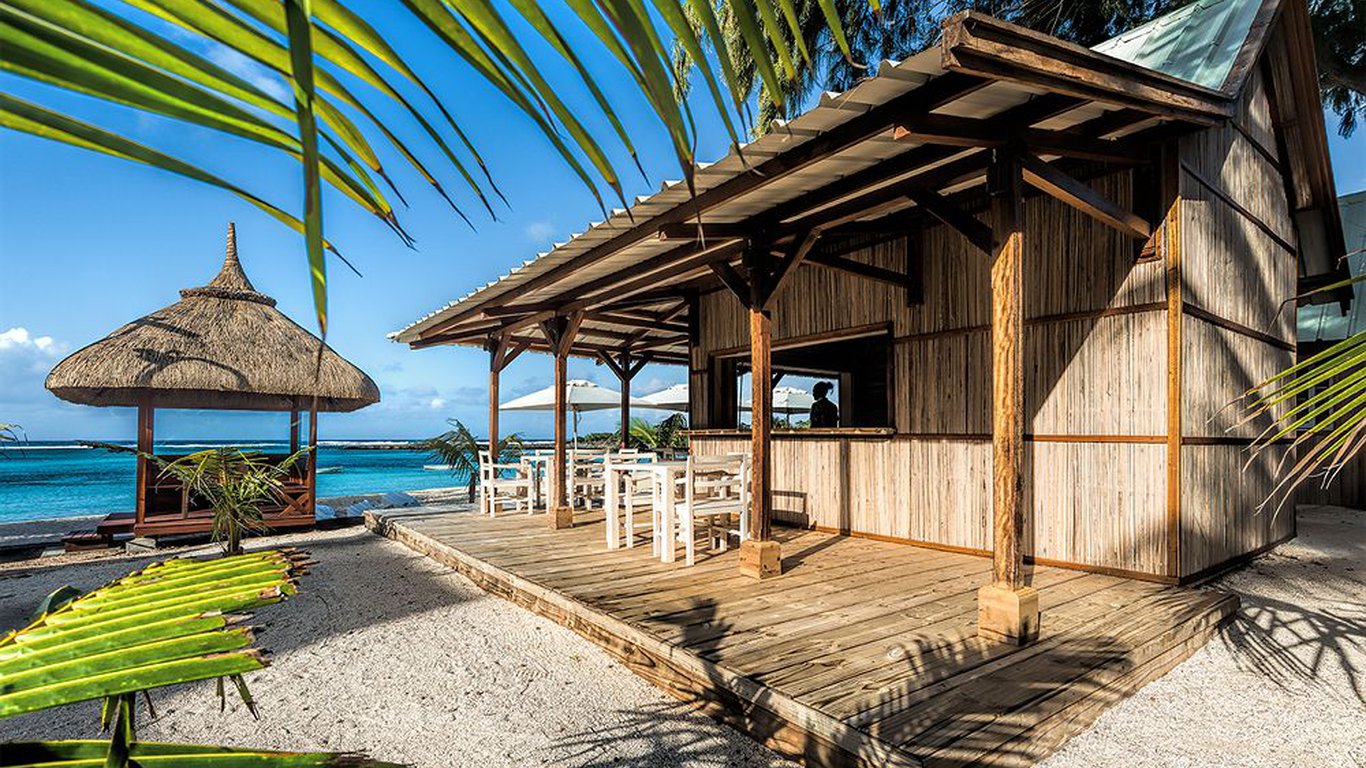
861 653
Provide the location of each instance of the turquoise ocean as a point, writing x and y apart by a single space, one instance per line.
41 481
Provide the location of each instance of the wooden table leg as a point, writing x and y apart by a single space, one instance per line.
613 521
667 540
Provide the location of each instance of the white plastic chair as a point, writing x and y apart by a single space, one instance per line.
496 487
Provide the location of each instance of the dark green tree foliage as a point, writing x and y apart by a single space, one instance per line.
903 27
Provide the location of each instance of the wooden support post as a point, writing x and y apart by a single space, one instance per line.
559 333
561 514
625 399
760 555
293 431
496 348
313 457
144 464
1008 610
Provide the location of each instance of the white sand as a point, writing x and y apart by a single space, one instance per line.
1284 685
388 652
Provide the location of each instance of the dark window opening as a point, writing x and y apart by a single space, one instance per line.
858 370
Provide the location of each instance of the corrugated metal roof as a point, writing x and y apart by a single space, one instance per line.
1198 43
1325 322
1216 27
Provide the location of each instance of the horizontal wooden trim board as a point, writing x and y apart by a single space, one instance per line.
1229 325
1029 559
839 334
1065 317
976 437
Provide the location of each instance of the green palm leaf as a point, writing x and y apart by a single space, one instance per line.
85 753
172 622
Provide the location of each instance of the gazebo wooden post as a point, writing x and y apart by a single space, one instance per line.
1007 609
313 457
559 334
144 464
293 431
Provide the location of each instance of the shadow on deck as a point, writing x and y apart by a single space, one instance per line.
861 653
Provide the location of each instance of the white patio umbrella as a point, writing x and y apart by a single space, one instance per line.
673 398
788 400
580 396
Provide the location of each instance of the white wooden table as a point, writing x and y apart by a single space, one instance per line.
665 475
538 465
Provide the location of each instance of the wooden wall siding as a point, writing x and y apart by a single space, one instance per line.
1219 366
1348 488
1082 377
1235 229
1097 375
1220 521
1100 505
1104 507
1233 267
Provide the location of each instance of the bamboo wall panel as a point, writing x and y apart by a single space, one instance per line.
1231 266
1104 506
1094 376
1220 519
1099 504
1097 376
1347 489
1219 366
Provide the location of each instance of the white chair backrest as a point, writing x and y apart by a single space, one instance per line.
718 475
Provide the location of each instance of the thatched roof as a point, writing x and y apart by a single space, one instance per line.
223 345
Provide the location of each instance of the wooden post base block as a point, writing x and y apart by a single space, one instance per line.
1008 615
760 559
561 517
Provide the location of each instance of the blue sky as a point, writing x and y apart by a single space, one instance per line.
89 242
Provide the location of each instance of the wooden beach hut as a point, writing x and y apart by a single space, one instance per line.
225 346
1038 272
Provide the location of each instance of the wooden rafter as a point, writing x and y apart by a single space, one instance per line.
988 132
801 249
964 223
870 271
1058 184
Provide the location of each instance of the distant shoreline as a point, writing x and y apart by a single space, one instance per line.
343 445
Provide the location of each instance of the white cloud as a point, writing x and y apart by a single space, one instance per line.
539 232
436 403
25 359
19 338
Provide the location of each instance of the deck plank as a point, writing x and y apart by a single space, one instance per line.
861 653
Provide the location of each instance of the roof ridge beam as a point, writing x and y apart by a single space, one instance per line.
977 44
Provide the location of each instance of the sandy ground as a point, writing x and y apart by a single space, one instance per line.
388 652
1284 685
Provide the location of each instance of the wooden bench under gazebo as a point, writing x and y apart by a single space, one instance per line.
223 346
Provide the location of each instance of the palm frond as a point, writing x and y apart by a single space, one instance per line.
173 622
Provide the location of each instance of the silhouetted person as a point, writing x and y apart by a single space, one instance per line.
823 412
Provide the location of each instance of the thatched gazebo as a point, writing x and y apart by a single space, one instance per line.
222 346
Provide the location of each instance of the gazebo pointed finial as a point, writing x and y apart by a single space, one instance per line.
231 282
232 276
